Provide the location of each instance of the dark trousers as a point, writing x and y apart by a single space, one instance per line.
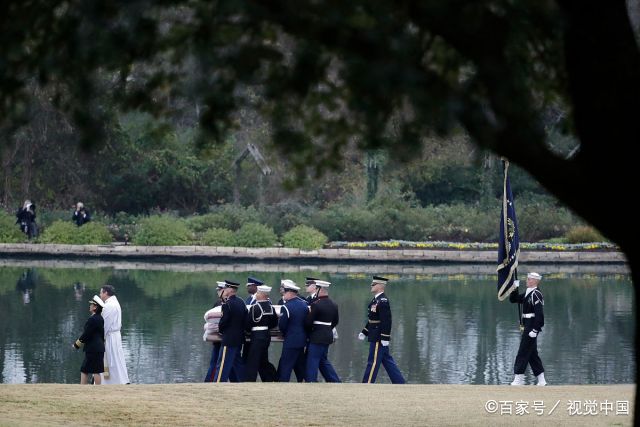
257 360
210 377
528 354
379 354
317 360
230 365
292 360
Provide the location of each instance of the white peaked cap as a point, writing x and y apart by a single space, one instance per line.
265 289
96 299
534 275
322 283
289 284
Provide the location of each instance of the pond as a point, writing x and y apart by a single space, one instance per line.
447 327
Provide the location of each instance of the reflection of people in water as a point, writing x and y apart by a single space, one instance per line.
26 284
78 290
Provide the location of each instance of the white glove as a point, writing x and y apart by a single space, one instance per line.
516 283
361 336
533 334
384 343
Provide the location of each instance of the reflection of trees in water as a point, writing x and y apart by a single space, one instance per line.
450 331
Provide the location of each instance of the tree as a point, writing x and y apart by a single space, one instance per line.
373 74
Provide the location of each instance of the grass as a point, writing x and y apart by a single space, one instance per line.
299 404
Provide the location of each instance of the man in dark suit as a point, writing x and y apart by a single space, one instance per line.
92 339
292 316
231 327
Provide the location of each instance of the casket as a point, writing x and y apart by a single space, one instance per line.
212 318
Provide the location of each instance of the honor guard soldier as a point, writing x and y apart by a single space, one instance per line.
231 327
322 318
216 345
291 323
309 283
252 288
378 332
262 318
533 321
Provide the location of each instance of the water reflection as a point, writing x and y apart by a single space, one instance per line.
446 328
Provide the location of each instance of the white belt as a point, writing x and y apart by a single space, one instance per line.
259 328
528 315
316 322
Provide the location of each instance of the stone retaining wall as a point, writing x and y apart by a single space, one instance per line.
291 254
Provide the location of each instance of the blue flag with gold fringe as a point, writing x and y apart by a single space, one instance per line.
509 244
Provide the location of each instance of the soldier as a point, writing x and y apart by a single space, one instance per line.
262 317
378 331
310 289
216 345
252 288
533 320
322 318
292 316
231 327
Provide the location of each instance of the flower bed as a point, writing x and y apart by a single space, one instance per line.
405 244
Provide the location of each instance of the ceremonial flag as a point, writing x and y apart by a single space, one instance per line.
509 244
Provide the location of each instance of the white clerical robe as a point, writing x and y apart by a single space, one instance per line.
114 355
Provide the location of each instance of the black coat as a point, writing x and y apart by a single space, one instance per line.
323 317
261 314
81 217
532 309
24 216
232 322
378 327
93 335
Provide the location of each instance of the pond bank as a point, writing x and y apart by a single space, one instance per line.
347 255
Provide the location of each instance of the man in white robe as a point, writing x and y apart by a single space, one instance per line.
114 355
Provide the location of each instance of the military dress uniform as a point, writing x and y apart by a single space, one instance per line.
261 319
322 318
211 373
231 327
378 329
291 323
533 320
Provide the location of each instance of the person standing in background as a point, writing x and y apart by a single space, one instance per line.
81 215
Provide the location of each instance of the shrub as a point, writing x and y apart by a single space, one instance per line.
218 237
202 223
62 232
303 237
9 231
162 231
123 225
255 235
584 234
284 216
66 232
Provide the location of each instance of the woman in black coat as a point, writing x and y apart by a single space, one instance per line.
92 339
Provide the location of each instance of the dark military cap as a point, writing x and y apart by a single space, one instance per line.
379 280
254 281
230 284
